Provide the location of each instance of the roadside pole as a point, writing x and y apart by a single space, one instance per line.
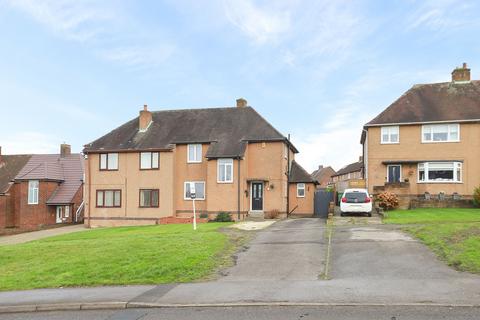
193 195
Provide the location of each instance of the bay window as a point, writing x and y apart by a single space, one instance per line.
441 133
438 172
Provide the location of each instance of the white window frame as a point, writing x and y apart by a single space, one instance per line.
389 133
226 163
449 130
66 211
33 191
107 161
285 151
151 156
197 158
185 190
395 165
456 165
301 186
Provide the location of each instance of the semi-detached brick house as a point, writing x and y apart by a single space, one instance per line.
427 141
41 190
140 173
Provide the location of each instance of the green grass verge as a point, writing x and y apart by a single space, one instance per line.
456 243
432 215
116 256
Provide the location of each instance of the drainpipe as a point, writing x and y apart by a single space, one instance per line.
288 174
238 190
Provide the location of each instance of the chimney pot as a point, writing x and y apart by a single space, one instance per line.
320 167
461 74
65 150
241 103
144 119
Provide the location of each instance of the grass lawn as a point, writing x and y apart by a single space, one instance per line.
109 256
456 243
432 215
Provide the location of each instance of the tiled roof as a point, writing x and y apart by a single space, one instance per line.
298 174
227 129
446 101
68 171
10 166
352 167
323 174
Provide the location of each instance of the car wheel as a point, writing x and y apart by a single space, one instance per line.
343 214
369 214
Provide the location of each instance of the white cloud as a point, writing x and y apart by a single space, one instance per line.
139 56
442 15
260 24
76 20
21 143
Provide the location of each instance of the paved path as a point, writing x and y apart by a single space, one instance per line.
35 235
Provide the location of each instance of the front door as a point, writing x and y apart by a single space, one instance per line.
59 214
394 173
257 196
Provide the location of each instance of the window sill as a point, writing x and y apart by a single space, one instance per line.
225 182
434 142
149 169
196 199
389 142
194 161
440 182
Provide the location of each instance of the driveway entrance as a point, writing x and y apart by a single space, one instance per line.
292 249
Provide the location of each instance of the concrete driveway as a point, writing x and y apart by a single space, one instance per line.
289 250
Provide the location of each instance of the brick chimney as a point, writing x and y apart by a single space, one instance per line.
145 119
461 74
65 150
241 103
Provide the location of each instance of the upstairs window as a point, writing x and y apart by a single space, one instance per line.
390 134
194 153
225 170
149 160
300 190
33 191
109 161
441 133
438 172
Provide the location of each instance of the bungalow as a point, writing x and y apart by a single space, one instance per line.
426 142
41 189
142 172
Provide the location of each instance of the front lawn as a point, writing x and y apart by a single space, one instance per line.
432 215
456 243
113 256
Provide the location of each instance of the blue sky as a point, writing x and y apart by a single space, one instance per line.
72 71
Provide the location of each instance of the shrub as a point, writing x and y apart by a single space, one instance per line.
223 217
272 214
476 196
387 200
204 215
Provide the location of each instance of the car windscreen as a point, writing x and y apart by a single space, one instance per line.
355 197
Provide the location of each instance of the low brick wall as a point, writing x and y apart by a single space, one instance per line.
437 203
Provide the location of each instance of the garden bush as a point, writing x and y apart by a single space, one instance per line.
476 197
387 200
223 217
272 214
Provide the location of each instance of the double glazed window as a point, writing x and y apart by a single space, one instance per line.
437 172
149 160
300 190
109 198
441 133
199 190
33 191
390 134
149 198
194 153
109 161
225 170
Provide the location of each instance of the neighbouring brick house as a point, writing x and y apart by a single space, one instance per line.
426 144
349 172
324 176
141 172
41 189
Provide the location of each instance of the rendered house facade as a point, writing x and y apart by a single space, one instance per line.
141 172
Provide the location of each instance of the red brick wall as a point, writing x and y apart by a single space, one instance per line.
3 211
77 200
33 216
